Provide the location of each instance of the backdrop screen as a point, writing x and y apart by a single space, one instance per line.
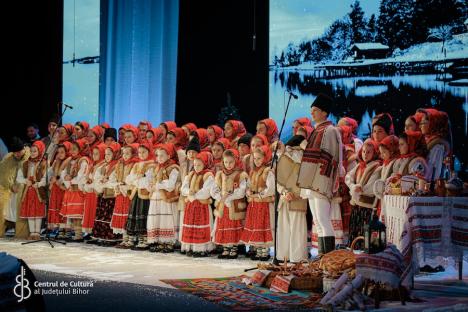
81 60
371 56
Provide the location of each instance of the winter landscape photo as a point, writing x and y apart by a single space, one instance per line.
372 56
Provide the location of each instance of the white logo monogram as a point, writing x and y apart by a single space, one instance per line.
22 289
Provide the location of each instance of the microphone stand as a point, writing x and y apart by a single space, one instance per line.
47 237
274 161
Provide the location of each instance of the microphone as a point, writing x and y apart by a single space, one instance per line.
67 106
292 94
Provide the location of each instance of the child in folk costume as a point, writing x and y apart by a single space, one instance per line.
106 200
435 128
74 175
259 222
110 135
389 153
54 220
382 126
155 136
143 127
411 161
139 179
217 149
412 122
361 181
132 135
268 128
91 189
81 130
123 192
233 130
257 141
214 133
292 209
202 136
196 230
243 145
33 175
353 124
163 215
122 130
229 194
166 127
94 138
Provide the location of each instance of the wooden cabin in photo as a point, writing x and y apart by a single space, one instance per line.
369 50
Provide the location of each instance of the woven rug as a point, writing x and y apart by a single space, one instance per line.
234 295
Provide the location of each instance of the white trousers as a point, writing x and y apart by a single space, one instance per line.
292 235
34 225
321 212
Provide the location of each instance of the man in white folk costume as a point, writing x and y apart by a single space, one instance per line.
320 171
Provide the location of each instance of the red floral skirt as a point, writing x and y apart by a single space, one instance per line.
196 226
32 207
257 229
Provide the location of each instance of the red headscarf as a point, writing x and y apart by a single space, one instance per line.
238 166
171 152
181 139
135 132
416 144
102 150
41 150
134 158
375 146
351 122
224 142
169 125
391 143
303 121
262 138
149 146
438 124
202 138
271 129
147 123
67 145
82 146
346 134
207 159
238 129
266 151
105 125
219 133
115 148
99 133
307 129
190 126
69 128
157 136
126 127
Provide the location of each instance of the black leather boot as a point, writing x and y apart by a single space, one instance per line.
328 244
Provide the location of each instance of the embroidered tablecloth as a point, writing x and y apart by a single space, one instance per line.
426 227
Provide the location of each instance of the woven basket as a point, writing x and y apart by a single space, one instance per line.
338 261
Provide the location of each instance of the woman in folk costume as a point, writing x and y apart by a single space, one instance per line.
110 136
243 145
382 126
168 126
228 191
233 130
435 128
353 124
92 189
54 220
257 141
81 130
214 133
217 149
139 179
106 200
301 122
196 187
292 209
74 174
268 128
189 128
412 122
122 130
155 136
259 222
389 153
143 127
131 135
123 192
33 175
163 215
320 172
361 181
412 155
